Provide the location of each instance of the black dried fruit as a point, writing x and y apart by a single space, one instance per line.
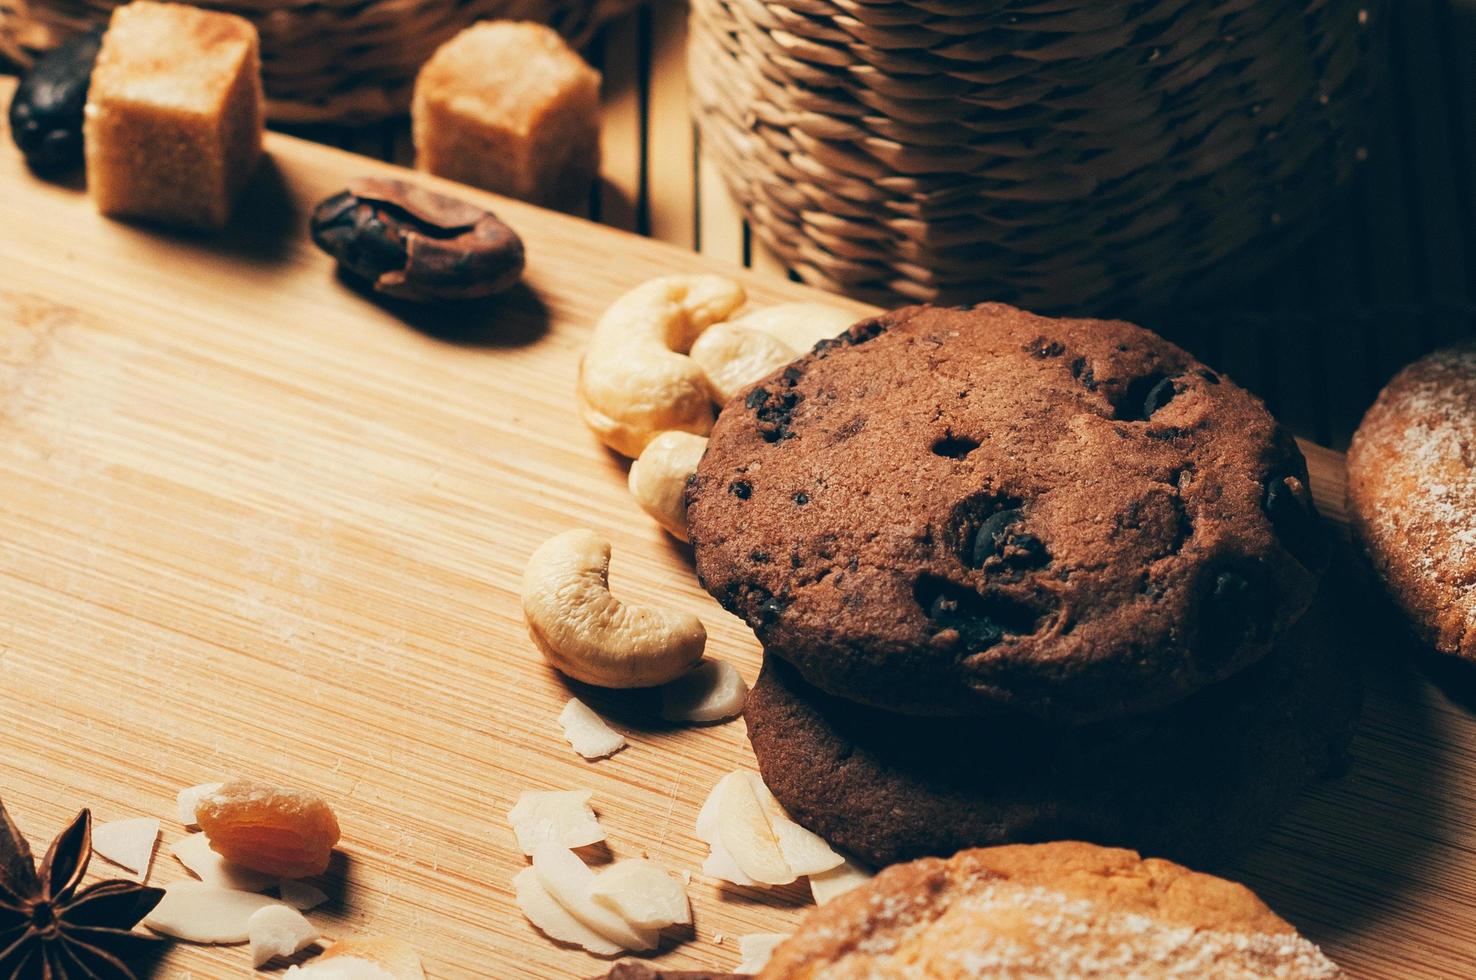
756 604
989 539
1238 606
996 537
1231 595
774 412
1295 520
46 110
1025 550
866 330
954 447
1145 396
414 244
770 609
1083 372
859 333
980 621
1158 396
1041 348
741 489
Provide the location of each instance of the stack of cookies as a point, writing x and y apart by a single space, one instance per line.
1021 579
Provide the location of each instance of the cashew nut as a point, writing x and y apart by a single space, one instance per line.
591 636
658 478
735 354
636 379
799 325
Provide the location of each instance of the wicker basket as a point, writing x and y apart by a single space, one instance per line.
344 61
1062 154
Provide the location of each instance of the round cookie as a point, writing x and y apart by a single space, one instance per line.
952 511
1195 782
1064 909
1412 495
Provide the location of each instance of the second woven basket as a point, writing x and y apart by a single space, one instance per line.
323 61
1061 154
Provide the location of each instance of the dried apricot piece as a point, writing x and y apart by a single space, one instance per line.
266 828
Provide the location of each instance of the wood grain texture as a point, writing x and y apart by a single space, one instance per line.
252 523
1389 275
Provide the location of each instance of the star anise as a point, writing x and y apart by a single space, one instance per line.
49 930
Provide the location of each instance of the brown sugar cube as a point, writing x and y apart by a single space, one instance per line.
510 107
174 114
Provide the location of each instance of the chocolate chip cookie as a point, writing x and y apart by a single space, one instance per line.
1412 495
950 511
1195 782
1050 910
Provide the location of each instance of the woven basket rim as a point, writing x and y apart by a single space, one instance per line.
1063 152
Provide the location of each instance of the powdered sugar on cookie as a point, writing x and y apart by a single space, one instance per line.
1412 494
1066 909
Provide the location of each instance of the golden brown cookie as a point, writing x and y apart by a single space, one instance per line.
1064 909
981 511
1412 495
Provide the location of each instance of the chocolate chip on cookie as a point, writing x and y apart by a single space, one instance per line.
984 511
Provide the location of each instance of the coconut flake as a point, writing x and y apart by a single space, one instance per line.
127 843
804 851
736 819
569 880
300 895
198 912
756 949
718 863
587 731
189 798
276 930
195 854
711 691
563 817
643 894
555 921
837 881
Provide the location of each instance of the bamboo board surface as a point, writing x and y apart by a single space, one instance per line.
251 523
1389 274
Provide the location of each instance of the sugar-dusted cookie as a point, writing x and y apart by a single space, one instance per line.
1412 495
1064 909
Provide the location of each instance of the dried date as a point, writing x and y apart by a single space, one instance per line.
46 110
414 244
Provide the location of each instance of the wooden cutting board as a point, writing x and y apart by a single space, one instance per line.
253 523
